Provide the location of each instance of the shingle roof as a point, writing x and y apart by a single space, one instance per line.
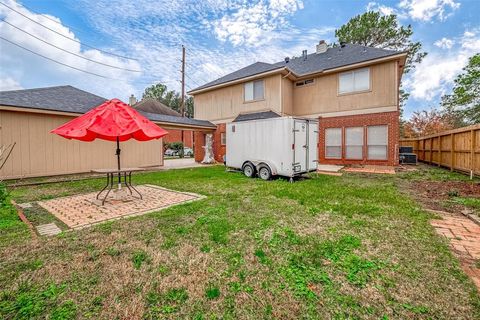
62 98
256 116
154 106
333 58
73 100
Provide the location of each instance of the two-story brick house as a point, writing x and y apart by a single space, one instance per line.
353 90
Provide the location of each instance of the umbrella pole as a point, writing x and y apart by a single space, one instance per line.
118 164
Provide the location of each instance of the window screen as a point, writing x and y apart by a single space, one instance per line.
377 139
333 143
248 91
352 81
354 143
254 90
258 90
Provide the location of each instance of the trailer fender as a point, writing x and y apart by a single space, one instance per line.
273 169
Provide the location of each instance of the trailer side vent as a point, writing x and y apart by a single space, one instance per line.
233 128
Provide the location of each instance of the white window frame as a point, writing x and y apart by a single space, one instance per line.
334 146
355 145
355 85
252 85
223 138
385 145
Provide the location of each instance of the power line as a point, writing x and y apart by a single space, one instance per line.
47 17
63 64
147 82
195 82
72 39
72 53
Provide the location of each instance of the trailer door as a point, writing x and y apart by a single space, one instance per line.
312 145
300 150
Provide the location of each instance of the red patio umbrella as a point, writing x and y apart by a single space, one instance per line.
113 120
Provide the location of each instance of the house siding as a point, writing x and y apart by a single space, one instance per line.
322 96
222 105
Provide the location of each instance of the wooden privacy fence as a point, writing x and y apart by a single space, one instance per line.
457 149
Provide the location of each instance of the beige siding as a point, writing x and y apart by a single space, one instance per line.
40 153
287 97
322 96
226 103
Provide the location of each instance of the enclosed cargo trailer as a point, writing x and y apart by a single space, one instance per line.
284 146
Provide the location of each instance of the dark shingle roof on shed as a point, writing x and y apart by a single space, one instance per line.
256 116
333 58
73 100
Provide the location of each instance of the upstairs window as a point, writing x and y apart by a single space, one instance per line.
354 81
254 90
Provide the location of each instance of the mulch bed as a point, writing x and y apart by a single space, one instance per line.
433 194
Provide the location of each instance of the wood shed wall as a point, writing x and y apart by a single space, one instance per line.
41 153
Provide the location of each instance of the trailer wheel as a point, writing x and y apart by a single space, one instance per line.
265 173
248 170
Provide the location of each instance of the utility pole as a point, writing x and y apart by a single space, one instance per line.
182 107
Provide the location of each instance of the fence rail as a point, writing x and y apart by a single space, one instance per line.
457 149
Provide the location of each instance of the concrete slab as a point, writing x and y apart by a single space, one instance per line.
49 229
329 168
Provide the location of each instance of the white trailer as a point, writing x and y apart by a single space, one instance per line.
284 146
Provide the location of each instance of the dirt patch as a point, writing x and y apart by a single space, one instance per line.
435 194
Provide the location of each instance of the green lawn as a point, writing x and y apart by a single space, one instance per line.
321 248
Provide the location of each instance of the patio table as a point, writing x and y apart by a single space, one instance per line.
125 177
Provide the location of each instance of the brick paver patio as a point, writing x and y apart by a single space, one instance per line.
464 237
82 210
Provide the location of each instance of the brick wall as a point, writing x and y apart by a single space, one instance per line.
386 118
219 150
391 119
176 136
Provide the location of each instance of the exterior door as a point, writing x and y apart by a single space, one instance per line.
300 146
312 145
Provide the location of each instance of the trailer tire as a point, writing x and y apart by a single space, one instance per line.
248 170
265 173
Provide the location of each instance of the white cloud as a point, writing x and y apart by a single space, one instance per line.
385 10
444 43
25 67
9 84
253 25
435 75
426 10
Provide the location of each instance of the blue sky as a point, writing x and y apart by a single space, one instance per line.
220 36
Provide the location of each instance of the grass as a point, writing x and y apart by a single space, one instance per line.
326 247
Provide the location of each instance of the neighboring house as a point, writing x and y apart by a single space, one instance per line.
154 106
353 90
27 116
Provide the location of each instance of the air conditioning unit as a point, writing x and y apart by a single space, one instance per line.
408 158
405 150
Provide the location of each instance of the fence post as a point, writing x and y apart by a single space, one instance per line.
452 151
472 152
